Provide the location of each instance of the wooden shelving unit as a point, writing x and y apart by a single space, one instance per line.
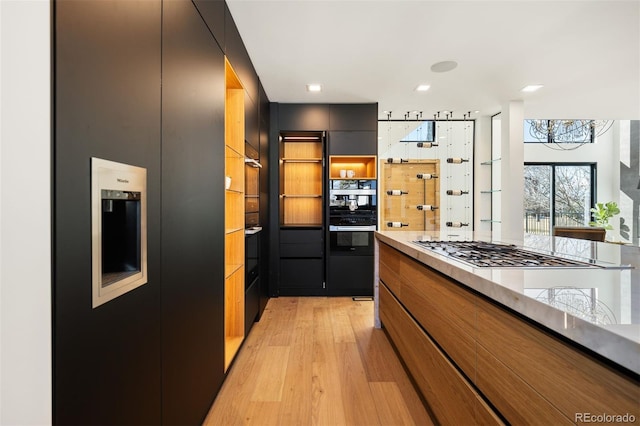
403 208
234 215
302 170
364 166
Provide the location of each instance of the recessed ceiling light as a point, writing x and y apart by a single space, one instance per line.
422 88
314 88
531 87
444 66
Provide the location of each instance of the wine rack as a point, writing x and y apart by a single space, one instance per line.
410 195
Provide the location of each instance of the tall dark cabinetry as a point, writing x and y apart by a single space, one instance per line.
193 90
107 360
300 255
142 82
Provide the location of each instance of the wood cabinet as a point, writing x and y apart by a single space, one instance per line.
234 126
363 166
302 171
527 374
408 192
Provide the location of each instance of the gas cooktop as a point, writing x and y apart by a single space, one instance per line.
492 255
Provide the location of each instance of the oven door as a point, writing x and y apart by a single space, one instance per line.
351 240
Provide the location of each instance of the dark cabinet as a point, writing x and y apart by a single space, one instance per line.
251 123
353 117
303 117
351 275
106 362
353 142
193 234
251 305
302 262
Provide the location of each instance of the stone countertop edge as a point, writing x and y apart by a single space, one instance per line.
610 345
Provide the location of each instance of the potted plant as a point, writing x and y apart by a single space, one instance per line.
602 212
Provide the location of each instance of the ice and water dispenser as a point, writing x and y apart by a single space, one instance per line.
119 229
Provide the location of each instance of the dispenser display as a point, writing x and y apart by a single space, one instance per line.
119 229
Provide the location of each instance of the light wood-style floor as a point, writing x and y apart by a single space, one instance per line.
317 361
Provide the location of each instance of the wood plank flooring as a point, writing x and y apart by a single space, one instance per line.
317 361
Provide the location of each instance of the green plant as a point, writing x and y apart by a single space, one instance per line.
602 212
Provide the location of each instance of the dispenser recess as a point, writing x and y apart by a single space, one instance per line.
118 229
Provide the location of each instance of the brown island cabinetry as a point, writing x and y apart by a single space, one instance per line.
476 362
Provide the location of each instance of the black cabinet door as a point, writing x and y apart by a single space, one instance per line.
301 277
350 276
193 222
353 117
353 143
106 361
251 305
299 117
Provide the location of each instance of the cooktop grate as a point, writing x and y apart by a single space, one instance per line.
482 254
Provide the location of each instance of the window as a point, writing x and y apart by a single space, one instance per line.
557 194
558 131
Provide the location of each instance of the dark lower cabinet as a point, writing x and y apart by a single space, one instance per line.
302 263
251 305
350 276
302 277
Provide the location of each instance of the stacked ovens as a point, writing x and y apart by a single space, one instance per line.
252 235
352 221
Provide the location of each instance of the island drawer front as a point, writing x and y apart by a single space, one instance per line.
518 402
442 308
573 381
450 396
389 268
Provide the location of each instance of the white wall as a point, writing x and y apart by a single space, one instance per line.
605 152
455 139
25 213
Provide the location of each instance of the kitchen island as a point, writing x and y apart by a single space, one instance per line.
556 345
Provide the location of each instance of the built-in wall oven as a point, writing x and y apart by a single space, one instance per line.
352 221
252 214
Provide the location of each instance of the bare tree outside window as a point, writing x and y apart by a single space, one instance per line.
556 195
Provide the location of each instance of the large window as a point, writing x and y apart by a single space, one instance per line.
557 194
559 131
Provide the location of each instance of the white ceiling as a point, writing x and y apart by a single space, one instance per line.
585 53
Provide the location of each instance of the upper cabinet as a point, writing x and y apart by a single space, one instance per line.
353 117
303 117
353 142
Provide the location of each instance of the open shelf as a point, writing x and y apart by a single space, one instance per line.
302 169
234 215
363 166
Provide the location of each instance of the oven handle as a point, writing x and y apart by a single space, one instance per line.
253 163
352 228
253 231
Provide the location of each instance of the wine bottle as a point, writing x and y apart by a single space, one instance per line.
426 207
456 224
457 160
456 192
396 224
396 192
426 144
426 176
397 160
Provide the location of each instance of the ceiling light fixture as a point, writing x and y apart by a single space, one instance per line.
314 87
422 88
575 133
532 87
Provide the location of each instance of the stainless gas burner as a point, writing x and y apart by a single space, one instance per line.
483 254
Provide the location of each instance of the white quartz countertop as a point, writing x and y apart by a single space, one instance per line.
597 308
